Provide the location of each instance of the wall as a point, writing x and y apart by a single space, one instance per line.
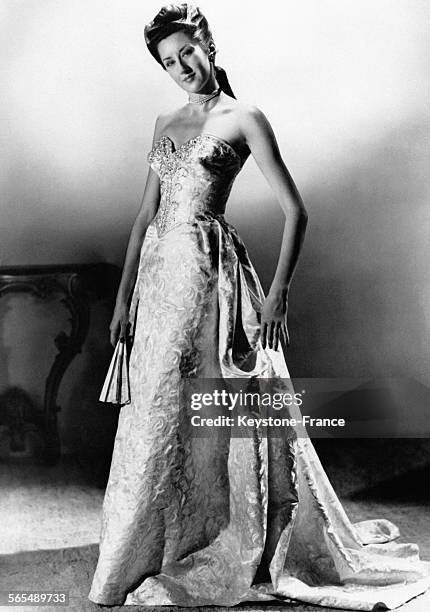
345 86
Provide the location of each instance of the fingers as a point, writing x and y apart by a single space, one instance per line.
288 336
272 332
277 335
268 334
114 335
285 335
284 332
123 333
263 334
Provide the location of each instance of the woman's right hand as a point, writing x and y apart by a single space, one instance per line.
119 324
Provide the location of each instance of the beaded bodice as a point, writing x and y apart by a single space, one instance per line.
195 179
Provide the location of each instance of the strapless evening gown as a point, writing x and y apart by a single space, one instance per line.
194 521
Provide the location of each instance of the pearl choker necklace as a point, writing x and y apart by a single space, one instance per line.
196 98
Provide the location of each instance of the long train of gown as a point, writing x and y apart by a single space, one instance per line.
190 521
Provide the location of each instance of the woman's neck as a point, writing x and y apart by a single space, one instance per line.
200 98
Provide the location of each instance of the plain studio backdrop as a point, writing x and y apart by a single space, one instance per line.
345 86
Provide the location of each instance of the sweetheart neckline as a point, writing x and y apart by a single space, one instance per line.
175 149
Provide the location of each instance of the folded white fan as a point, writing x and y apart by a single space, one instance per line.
116 387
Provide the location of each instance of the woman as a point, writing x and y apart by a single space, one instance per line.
195 521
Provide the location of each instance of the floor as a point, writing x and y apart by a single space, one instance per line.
50 521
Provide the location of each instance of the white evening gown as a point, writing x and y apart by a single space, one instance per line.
194 522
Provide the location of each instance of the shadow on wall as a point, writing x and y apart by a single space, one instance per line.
360 300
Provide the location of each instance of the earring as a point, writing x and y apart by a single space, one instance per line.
211 54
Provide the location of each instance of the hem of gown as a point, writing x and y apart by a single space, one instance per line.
102 601
367 599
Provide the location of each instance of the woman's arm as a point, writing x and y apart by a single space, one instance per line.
261 140
148 209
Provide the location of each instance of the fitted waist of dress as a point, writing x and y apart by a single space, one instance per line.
165 223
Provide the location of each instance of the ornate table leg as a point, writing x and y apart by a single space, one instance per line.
71 286
68 346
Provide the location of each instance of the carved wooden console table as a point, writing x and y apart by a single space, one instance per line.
72 283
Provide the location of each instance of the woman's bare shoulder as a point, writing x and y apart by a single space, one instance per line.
245 113
169 118
251 120
249 112
163 118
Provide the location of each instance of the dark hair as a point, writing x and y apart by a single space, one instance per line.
186 18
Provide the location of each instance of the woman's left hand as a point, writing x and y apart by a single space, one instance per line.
274 321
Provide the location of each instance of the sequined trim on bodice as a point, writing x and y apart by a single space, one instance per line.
195 179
